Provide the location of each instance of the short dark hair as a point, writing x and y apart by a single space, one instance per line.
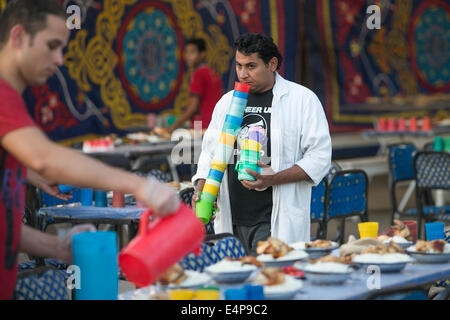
31 14
198 42
262 44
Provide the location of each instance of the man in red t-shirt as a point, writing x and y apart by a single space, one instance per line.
205 86
33 34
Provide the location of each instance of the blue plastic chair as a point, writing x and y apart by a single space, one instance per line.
42 283
318 207
431 171
346 197
225 247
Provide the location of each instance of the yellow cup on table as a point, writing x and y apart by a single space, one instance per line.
368 229
181 294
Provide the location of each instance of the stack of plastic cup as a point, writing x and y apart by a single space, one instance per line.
382 124
413 127
438 144
426 124
434 231
391 124
86 197
118 200
100 198
95 253
447 144
236 294
254 292
368 230
401 125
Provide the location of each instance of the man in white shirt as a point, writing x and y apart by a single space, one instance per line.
296 156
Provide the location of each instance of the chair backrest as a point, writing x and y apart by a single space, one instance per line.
347 194
159 174
318 198
432 170
400 158
186 195
225 247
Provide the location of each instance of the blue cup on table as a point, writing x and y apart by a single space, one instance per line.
95 254
254 292
434 231
236 294
100 198
86 197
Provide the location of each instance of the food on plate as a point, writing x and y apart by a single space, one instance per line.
270 277
174 275
293 272
319 243
435 246
398 229
246 260
354 247
334 259
274 247
383 249
161 132
228 265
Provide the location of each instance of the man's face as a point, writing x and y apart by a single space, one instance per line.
39 57
253 71
192 56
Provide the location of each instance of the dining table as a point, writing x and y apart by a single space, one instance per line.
360 285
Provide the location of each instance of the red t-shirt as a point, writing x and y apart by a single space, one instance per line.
13 116
207 84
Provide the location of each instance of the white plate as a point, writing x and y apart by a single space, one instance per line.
285 261
230 277
230 271
194 280
284 291
315 253
391 262
403 245
429 257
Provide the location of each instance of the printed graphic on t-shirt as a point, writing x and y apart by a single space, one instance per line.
256 119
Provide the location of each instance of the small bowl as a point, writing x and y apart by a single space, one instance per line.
230 277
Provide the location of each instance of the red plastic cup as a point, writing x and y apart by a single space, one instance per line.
162 244
382 124
401 125
118 200
391 124
426 124
412 226
413 124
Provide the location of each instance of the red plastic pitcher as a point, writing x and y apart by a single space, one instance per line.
162 244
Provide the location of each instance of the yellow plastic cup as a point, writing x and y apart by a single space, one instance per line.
181 294
207 294
368 229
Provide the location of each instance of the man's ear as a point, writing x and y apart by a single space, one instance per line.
273 64
18 36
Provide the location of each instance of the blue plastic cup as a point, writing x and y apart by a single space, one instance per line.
434 231
100 198
438 144
65 188
236 294
95 253
254 292
86 197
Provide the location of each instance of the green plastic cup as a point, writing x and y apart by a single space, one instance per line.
203 210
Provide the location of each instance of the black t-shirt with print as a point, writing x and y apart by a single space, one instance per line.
251 207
